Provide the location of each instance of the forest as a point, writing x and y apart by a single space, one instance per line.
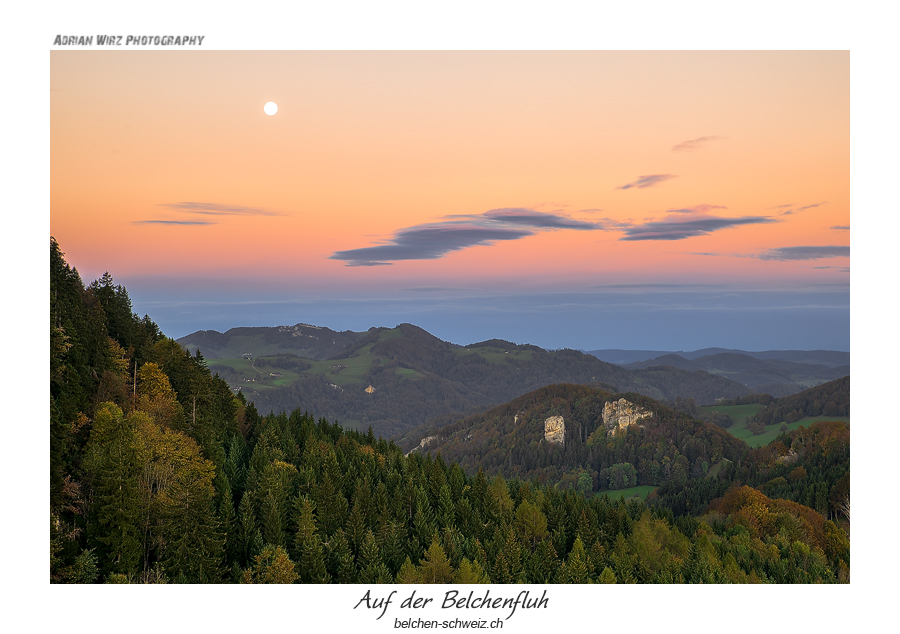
160 473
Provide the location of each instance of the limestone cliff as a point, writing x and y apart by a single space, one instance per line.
622 414
424 443
555 429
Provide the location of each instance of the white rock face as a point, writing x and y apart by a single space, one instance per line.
422 444
555 429
618 415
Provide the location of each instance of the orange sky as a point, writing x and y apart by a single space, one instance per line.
366 144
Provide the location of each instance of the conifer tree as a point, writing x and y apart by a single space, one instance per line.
339 560
470 572
271 565
435 567
371 567
115 457
311 564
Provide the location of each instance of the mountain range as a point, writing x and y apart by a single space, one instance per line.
398 378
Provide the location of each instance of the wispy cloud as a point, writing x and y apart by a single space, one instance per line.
216 209
688 223
695 144
842 227
435 240
696 209
790 210
805 253
842 269
205 210
172 222
648 180
428 242
538 219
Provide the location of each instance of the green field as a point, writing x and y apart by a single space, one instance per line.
773 431
740 414
641 492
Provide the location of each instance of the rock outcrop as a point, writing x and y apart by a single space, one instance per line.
621 414
423 443
555 429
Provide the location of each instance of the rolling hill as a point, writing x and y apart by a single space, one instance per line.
775 376
395 379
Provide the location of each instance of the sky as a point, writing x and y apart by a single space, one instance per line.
583 199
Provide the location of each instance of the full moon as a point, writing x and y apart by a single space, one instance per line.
270 108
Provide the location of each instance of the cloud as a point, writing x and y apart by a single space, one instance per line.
790 210
172 222
648 181
537 219
589 211
678 226
435 240
207 209
695 144
842 269
842 227
215 209
805 253
696 209
429 242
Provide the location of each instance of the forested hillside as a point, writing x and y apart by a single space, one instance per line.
667 446
395 379
828 399
159 473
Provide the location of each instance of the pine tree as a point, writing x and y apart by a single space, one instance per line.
339 560
470 572
272 565
311 565
370 565
577 564
435 567
115 457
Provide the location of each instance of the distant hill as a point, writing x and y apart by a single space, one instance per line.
828 358
774 376
312 342
828 399
395 379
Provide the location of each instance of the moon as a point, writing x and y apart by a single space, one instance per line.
270 108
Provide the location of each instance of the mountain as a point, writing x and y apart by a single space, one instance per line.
827 358
395 379
577 436
774 376
313 342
